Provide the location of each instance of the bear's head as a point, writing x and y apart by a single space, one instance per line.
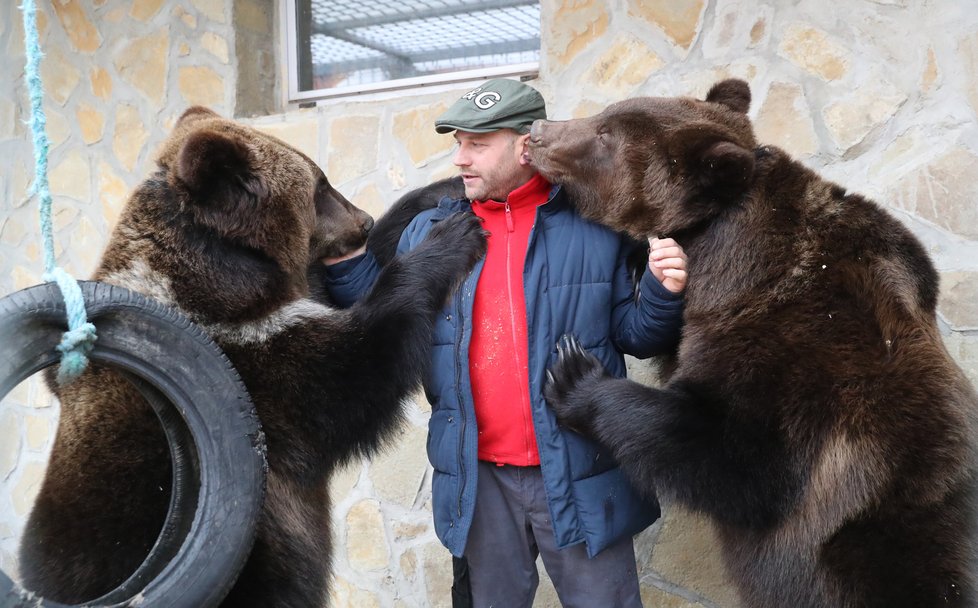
230 222
652 166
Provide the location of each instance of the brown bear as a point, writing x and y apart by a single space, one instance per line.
227 230
812 410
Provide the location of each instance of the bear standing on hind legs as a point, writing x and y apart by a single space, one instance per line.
813 411
227 230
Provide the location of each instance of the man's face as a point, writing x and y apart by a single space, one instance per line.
492 164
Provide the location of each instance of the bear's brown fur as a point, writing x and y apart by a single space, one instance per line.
226 230
812 411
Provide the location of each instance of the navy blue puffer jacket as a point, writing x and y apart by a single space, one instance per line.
576 282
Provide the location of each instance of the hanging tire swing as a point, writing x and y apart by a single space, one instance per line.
216 446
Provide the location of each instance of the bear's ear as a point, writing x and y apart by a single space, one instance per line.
196 113
216 170
207 158
725 168
733 93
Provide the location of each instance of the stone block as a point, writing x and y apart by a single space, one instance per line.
366 543
688 554
91 122
129 137
814 51
26 277
370 200
344 480
101 83
59 76
344 594
57 126
575 24
851 119
26 487
143 10
944 192
679 20
627 63
216 45
437 565
113 193
415 130
301 134
212 9
9 441
931 71
39 432
959 295
968 56
653 596
352 149
784 120
82 33
10 125
12 232
143 64
201 85
72 177
398 471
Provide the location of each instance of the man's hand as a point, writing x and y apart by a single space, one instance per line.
358 251
667 261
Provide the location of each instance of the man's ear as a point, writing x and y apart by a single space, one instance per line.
522 144
216 170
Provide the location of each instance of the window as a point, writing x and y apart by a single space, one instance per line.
339 47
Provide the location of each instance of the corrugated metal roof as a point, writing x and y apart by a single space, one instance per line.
355 42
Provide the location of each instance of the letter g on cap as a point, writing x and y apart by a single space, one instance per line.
487 100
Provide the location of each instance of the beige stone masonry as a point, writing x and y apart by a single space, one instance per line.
352 148
130 136
82 33
813 50
366 547
959 300
576 23
853 117
200 85
679 20
216 45
414 129
91 122
101 83
143 10
60 77
619 70
143 64
784 119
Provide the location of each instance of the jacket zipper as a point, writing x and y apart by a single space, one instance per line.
510 228
460 318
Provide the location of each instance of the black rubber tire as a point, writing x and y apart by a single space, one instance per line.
216 443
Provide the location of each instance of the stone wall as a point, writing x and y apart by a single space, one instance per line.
879 95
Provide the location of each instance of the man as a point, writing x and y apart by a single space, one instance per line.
508 482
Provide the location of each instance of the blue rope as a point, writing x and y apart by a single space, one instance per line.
77 342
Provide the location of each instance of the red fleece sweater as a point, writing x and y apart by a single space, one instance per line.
499 349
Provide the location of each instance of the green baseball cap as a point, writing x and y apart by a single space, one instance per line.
496 104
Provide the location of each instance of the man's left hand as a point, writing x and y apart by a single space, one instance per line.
667 262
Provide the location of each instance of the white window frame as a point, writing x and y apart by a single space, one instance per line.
528 70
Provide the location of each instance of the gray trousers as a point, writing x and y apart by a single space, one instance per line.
512 526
